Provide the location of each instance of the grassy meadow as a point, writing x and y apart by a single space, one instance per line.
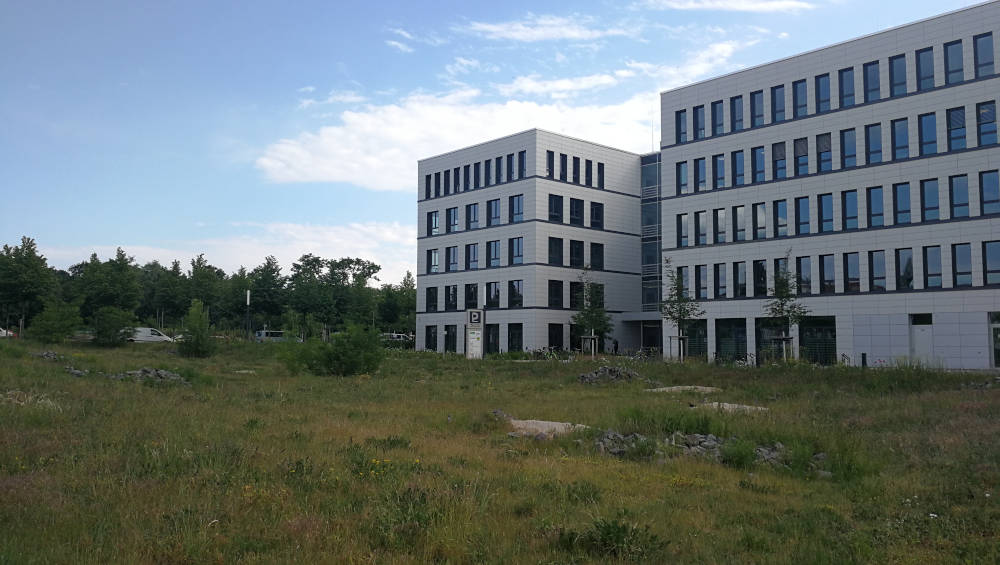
251 464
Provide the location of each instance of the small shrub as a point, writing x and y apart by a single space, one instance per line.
56 323
112 326
354 351
613 538
197 340
738 453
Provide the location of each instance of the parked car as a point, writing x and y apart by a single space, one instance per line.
6 333
397 341
148 335
260 336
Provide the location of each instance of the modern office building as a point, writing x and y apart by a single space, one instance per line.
868 170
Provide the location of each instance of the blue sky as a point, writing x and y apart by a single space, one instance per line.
246 129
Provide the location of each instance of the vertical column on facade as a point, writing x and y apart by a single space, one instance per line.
975 204
751 336
977 262
793 332
669 345
710 336
845 337
947 273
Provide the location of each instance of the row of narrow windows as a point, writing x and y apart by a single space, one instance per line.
905 204
954 73
515 214
781 167
491 337
476 175
515 255
734 284
573 175
514 297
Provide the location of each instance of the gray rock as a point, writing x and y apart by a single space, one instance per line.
605 374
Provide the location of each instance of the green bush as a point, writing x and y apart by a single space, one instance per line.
613 538
56 323
112 326
353 351
197 340
739 453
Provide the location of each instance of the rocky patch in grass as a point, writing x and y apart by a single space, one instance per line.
606 375
685 388
537 429
143 375
49 356
982 385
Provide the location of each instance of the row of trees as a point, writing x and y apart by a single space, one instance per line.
317 295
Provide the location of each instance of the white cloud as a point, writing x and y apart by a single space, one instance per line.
401 32
307 89
391 245
557 88
401 46
335 97
462 65
543 28
730 5
713 59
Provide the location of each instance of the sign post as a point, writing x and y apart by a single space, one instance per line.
474 335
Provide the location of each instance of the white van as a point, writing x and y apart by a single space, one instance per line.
146 335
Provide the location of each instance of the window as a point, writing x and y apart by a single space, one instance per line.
953 62
780 218
427 186
719 171
958 188
700 182
876 207
555 251
431 299
682 177
848 149
562 167
522 166
956 129
720 280
778 161
576 170
849 209
556 336
986 123
432 261
822 93
876 271
757 162
927 127
989 193
515 337
576 254
437 185
451 297
600 176
555 294
803 275
904 269
897 75
451 220
961 262
475 175
700 228
451 259
487 168
719 225
550 165
680 126
492 295
736 113
929 209
597 256
650 251
701 282
760 278
801 157
845 78
493 212
510 167
493 253
932 266
739 279
991 262
472 296
682 230
756 108
800 105
901 203
699 122
432 223
827 282
873 143
982 46
499 162
471 256
825 208
682 276
597 215
430 336
516 208
737 168
824 153
777 103
759 221
467 179
555 208
588 172
900 139
739 224
515 251
471 216
872 92
515 294
717 118
575 212
852 273
925 69
802 215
